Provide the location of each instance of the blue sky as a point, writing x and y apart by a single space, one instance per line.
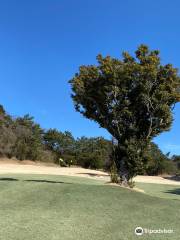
42 44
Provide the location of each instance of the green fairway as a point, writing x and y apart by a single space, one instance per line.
161 190
43 207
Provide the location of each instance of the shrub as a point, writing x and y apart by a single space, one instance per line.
113 174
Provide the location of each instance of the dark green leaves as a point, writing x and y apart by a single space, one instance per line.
132 98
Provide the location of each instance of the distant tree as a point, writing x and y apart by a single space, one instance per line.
51 139
176 160
132 98
92 152
158 162
2 111
23 138
29 138
7 136
62 144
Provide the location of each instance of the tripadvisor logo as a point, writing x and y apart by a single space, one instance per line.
139 231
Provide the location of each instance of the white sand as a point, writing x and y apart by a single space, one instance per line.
28 167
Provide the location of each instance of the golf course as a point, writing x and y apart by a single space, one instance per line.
89 120
43 207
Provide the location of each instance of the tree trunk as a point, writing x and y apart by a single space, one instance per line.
120 157
123 173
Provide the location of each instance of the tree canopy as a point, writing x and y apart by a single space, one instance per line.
132 98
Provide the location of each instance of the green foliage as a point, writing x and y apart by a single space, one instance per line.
92 152
157 162
131 183
46 156
176 160
29 138
59 142
90 160
169 167
51 138
24 139
69 159
132 98
114 174
7 135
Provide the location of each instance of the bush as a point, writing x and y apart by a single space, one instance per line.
113 174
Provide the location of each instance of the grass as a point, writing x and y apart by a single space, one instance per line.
42 207
161 190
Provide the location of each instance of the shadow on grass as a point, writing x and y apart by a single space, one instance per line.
45 181
9 179
94 174
174 191
174 178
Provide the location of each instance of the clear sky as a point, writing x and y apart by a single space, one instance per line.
42 44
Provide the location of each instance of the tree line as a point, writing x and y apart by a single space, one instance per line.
22 138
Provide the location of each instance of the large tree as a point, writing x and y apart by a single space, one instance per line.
132 98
